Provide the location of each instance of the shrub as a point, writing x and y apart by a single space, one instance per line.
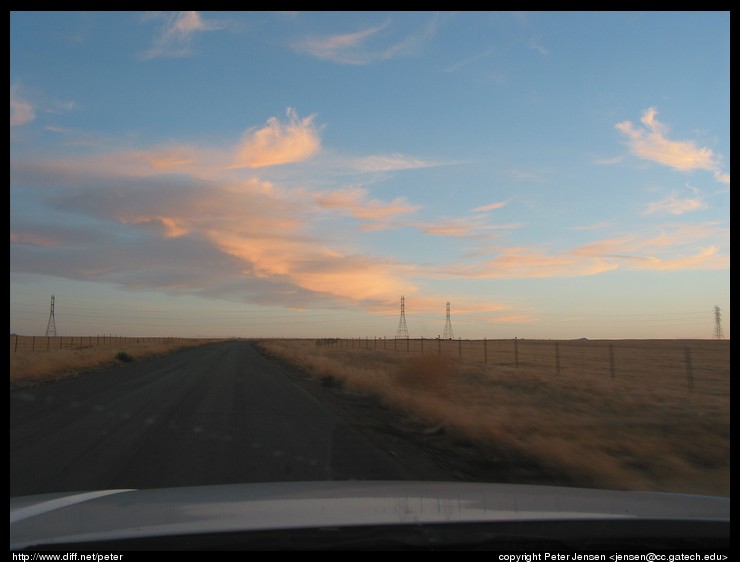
124 357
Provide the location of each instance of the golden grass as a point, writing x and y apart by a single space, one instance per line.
659 431
32 367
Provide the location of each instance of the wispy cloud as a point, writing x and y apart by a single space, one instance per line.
355 201
461 227
176 33
342 48
490 207
675 205
650 142
390 162
366 46
535 44
522 262
470 60
675 246
21 110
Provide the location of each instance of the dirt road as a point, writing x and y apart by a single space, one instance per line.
215 414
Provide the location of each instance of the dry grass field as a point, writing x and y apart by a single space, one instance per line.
623 414
40 359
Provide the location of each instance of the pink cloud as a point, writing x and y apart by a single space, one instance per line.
354 200
276 143
675 205
675 247
279 143
651 143
491 207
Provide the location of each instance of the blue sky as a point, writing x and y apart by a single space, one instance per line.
551 175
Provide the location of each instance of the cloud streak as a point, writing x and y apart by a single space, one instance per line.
176 33
366 46
650 142
342 47
355 202
675 205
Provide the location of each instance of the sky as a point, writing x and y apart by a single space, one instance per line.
551 175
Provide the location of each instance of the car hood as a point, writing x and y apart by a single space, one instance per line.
90 516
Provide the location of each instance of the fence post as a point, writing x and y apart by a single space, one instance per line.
459 347
557 357
33 343
16 344
439 346
407 344
516 352
422 345
611 360
485 350
689 368
48 342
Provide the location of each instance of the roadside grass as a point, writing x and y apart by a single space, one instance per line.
28 368
596 431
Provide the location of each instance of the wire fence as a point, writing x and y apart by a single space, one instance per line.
32 344
692 364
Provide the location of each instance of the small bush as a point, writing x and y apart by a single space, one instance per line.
124 357
330 381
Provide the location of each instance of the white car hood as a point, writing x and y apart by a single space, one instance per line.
124 514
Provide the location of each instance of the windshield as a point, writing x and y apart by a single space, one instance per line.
262 247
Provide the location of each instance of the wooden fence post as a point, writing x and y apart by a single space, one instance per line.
689 368
516 352
485 350
557 357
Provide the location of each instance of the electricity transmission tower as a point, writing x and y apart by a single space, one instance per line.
448 335
51 327
718 334
403 332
